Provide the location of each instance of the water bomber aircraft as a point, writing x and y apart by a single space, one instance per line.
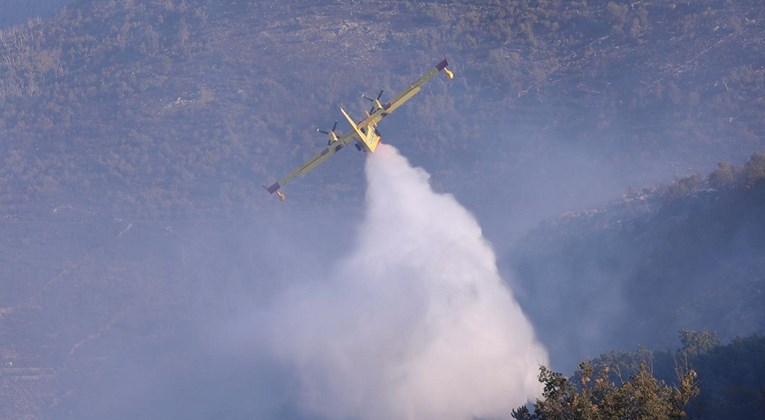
364 132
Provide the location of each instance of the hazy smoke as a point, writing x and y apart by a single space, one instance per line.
415 323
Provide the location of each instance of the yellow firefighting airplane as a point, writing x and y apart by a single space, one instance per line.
364 133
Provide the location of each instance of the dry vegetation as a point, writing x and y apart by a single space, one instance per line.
182 108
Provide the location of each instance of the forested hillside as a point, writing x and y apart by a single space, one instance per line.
689 255
13 12
135 137
183 108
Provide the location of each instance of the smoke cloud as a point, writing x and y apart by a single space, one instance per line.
415 322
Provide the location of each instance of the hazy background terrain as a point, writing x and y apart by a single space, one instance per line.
135 137
18 11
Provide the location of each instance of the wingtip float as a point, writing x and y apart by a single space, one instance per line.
363 133
442 66
275 189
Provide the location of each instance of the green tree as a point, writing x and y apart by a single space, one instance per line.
754 169
724 176
734 380
596 396
695 344
684 187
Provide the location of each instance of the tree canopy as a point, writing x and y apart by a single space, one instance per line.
701 379
597 396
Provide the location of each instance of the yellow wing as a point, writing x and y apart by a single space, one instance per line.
405 95
357 133
311 163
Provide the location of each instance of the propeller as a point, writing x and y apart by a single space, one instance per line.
375 101
332 135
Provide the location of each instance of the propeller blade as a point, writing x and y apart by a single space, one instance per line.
334 127
374 101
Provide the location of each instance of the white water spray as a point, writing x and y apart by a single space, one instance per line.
415 323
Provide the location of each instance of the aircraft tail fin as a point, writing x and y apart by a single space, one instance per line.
352 123
368 140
